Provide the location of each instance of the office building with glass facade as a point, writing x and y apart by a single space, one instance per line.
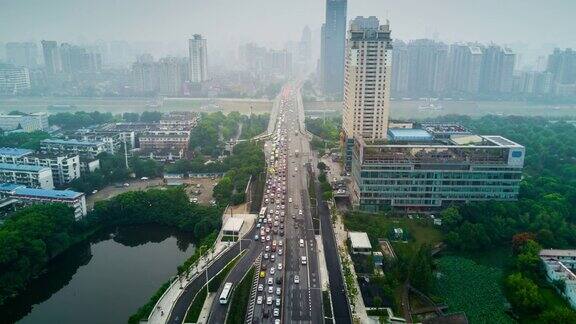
432 167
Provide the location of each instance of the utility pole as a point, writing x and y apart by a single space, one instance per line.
125 153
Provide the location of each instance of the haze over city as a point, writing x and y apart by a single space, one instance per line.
518 23
294 161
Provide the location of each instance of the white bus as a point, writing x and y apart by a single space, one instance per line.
225 293
262 212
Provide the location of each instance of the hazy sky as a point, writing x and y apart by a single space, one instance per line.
272 22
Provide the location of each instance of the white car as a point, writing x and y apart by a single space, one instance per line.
278 301
270 290
290 199
269 300
276 312
280 252
299 211
260 287
272 271
279 266
296 279
278 291
259 300
270 281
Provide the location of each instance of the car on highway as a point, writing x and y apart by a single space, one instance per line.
272 258
269 300
270 281
296 279
299 211
301 243
276 312
280 251
267 248
279 266
303 259
260 287
259 300
278 302
266 256
290 199
270 290
272 271
262 274
278 291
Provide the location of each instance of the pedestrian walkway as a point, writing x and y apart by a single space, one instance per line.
205 312
161 311
322 265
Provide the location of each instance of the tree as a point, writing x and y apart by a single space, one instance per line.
558 315
321 166
420 270
523 294
520 239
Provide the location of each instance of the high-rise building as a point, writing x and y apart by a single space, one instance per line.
562 64
52 61
198 59
333 47
427 64
465 68
145 77
368 71
400 66
279 62
14 80
76 59
306 45
22 54
171 75
497 69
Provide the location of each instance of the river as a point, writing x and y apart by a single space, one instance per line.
104 280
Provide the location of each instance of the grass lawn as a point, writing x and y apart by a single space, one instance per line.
379 226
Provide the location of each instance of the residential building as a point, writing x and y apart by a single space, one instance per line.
497 70
465 68
333 48
51 53
432 167
367 77
76 59
562 64
22 54
170 71
65 168
84 148
14 80
560 266
28 196
28 175
26 122
400 65
198 56
145 77
427 64
158 140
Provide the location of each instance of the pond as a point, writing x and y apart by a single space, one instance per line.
103 280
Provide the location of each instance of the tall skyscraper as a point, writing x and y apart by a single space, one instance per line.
465 68
198 59
562 65
497 69
367 77
333 46
170 74
22 54
305 49
400 66
51 57
427 63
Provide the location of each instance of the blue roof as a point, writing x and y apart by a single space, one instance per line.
16 152
9 186
409 134
47 193
22 167
71 142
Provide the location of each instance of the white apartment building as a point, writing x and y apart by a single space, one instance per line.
198 59
28 175
28 122
65 168
367 74
560 265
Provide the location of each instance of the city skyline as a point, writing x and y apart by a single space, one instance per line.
414 19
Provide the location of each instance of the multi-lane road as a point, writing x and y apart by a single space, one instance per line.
284 236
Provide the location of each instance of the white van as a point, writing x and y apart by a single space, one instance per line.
303 259
301 243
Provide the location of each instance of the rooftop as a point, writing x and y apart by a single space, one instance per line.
557 253
47 193
233 224
359 240
22 167
4 186
14 152
71 142
409 134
